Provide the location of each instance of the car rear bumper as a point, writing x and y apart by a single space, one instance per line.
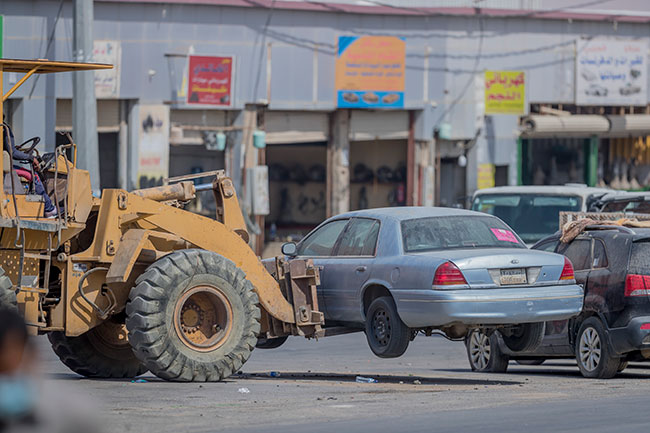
631 337
425 308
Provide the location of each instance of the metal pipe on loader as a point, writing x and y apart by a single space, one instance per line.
179 191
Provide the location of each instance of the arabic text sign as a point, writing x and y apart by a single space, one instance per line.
210 80
370 72
485 176
505 92
611 72
107 81
153 145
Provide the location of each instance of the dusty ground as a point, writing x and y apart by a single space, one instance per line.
430 388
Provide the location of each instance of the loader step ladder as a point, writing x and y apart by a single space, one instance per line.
41 292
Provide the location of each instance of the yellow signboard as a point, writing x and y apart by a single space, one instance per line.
505 92
485 177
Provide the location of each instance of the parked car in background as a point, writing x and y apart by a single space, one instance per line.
622 201
613 265
396 271
533 211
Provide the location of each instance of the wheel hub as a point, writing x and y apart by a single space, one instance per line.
203 318
590 349
381 327
480 350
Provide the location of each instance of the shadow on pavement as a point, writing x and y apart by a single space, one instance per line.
381 378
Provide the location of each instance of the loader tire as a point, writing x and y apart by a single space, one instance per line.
103 352
7 293
193 316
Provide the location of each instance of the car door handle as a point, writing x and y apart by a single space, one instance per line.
361 269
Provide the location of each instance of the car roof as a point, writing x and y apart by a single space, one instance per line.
570 189
410 212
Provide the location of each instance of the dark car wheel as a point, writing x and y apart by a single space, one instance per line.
530 361
270 343
525 338
483 352
593 354
388 336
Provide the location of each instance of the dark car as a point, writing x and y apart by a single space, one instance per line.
613 265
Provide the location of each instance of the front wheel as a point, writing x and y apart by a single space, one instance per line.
193 316
483 352
388 336
593 354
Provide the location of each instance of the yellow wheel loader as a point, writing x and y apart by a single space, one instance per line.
131 281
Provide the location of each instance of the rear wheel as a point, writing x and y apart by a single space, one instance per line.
593 354
483 352
524 338
102 352
388 336
193 316
7 294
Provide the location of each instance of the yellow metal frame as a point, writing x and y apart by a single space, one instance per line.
29 68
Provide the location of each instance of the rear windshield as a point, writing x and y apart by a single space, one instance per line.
533 216
640 258
441 233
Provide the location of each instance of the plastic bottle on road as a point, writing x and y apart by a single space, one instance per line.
361 379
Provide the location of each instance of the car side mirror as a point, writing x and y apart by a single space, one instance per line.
289 249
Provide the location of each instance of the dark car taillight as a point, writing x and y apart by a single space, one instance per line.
637 285
448 274
567 271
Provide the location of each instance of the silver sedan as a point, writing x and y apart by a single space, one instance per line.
396 271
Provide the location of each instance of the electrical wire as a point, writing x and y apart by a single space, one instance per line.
50 40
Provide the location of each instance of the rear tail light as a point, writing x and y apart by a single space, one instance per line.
448 274
645 327
567 271
637 285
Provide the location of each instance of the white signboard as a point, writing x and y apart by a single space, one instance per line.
153 145
611 72
107 81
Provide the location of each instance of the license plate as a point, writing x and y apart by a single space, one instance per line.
513 276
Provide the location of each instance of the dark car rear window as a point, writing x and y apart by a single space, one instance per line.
439 233
640 258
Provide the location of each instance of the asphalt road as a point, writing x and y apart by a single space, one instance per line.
429 389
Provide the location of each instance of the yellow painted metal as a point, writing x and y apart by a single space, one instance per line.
19 83
47 66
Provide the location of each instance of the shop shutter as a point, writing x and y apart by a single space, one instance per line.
285 127
108 115
187 126
378 125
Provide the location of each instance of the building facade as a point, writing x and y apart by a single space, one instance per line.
433 142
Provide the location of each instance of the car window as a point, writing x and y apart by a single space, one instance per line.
532 216
547 246
640 258
579 252
458 231
359 238
322 241
600 255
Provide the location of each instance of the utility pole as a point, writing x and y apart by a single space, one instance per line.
84 104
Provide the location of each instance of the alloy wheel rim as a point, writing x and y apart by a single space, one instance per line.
590 349
479 349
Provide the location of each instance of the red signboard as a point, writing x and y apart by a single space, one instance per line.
210 80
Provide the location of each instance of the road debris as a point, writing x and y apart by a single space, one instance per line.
244 391
361 379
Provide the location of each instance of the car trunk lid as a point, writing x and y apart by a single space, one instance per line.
504 267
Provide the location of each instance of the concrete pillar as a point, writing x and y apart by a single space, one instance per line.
338 163
123 147
84 104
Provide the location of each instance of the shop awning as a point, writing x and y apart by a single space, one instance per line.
585 125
